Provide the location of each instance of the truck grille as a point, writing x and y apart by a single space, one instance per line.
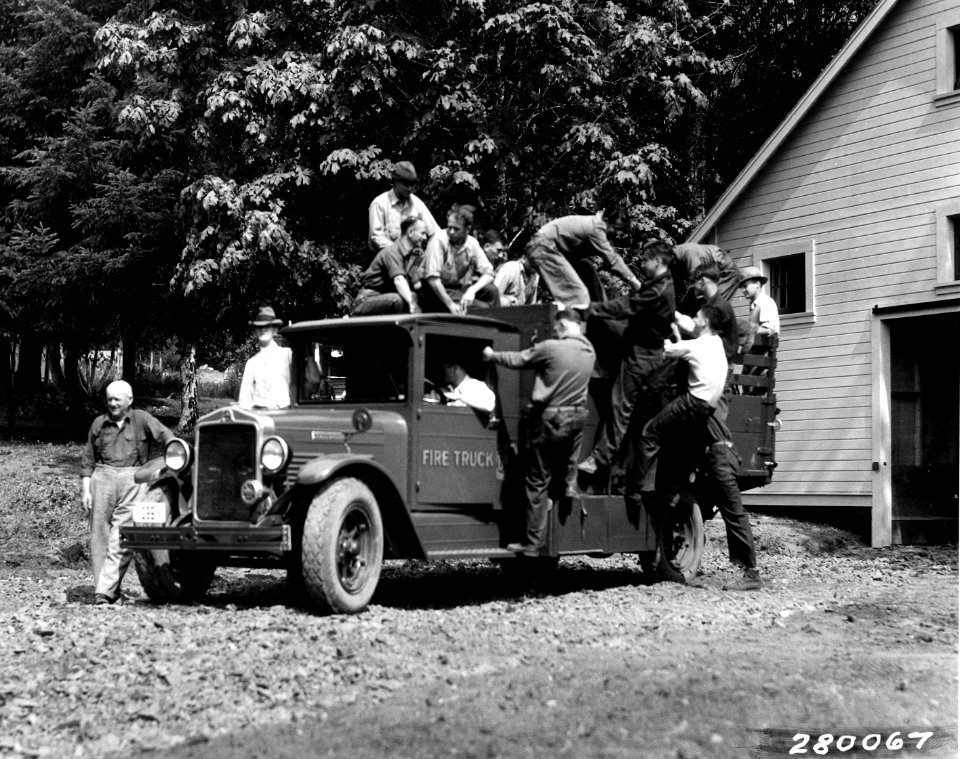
226 458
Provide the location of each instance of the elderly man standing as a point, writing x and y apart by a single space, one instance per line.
456 271
392 207
117 445
387 284
266 376
560 248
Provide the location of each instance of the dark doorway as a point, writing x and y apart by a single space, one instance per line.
925 418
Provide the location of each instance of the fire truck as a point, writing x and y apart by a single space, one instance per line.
365 466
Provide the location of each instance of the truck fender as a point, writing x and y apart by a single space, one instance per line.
401 537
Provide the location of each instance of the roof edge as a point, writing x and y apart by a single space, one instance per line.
786 127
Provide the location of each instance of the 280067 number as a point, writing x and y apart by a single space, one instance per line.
870 742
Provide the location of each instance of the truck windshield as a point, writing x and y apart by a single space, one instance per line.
355 366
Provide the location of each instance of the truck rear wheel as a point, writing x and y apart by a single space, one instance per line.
342 546
680 540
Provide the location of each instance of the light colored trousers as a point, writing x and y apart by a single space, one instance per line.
114 492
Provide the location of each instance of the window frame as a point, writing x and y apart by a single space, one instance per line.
948 58
808 248
948 240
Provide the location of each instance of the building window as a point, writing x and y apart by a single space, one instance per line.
948 247
948 57
788 283
790 272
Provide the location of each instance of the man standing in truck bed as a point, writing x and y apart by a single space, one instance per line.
553 422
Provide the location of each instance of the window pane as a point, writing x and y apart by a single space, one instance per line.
355 365
788 283
954 222
955 44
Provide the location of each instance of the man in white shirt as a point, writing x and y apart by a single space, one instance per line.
456 272
390 208
266 376
464 390
764 314
517 282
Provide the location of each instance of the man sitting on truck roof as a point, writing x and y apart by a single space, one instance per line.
553 422
386 287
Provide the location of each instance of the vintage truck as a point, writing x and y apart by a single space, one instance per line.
367 466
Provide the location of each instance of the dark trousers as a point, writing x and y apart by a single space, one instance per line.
488 296
370 302
685 416
636 370
722 462
552 453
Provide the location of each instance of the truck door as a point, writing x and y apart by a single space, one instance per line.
455 455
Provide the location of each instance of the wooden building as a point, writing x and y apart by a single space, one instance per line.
852 209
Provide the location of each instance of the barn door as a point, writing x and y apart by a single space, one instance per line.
925 417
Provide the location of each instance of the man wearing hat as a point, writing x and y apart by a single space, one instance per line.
764 314
266 376
390 208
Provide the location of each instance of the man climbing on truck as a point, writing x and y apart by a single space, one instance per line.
553 422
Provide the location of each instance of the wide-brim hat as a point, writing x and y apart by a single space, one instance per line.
752 272
266 318
405 172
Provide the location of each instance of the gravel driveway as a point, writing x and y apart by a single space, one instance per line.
450 661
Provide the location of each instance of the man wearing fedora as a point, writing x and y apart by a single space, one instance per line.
266 376
764 314
390 208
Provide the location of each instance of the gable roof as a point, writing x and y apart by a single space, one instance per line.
782 132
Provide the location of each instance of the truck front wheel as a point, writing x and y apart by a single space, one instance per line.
173 575
342 546
680 540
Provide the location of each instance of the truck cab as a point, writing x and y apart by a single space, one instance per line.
369 463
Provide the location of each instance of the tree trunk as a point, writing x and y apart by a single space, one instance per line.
130 360
54 367
74 397
189 408
29 365
6 375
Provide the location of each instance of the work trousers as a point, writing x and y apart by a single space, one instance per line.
722 462
553 438
572 283
684 416
114 491
636 371
488 296
370 302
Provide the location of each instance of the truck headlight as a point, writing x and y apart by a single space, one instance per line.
274 455
177 455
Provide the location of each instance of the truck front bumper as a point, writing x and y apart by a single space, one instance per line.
275 539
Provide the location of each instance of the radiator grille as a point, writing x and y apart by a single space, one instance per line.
226 458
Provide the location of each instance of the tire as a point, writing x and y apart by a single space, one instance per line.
172 575
342 547
680 540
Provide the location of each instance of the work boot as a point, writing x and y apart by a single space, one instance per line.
749 581
102 600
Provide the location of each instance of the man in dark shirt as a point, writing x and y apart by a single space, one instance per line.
649 313
553 422
117 445
386 287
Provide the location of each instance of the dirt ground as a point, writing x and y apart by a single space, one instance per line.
451 661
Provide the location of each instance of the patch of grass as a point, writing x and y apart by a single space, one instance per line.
40 511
